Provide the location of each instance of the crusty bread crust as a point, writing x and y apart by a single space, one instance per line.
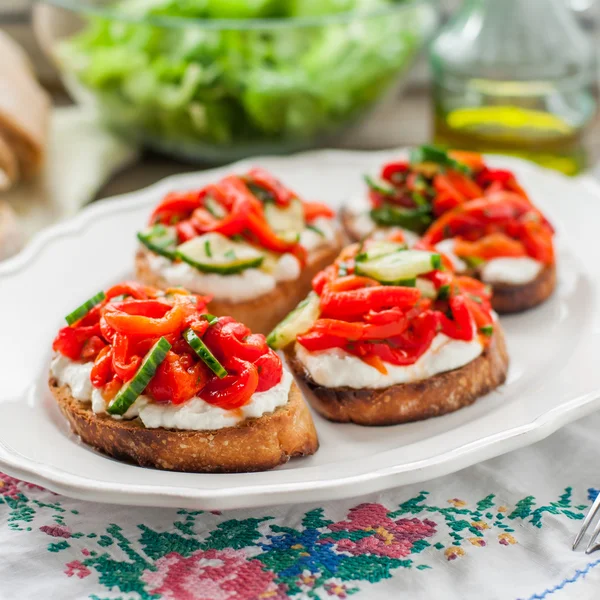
506 298
347 220
440 394
259 314
252 445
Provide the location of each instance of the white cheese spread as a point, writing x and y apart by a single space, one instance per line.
515 270
195 414
337 368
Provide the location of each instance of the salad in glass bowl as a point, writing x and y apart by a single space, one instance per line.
216 80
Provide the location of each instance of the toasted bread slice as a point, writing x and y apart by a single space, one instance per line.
347 218
252 445
437 395
260 314
509 298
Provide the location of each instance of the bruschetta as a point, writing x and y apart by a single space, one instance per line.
248 241
151 377
510 246
389 335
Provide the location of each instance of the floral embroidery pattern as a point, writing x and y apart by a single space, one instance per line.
259 559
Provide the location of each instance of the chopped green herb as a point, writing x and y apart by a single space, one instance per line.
316 230
487 330
207 249
436 261
437 155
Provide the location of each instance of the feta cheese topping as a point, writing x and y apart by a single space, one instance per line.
337 368
195 414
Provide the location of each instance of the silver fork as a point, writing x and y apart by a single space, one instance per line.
592 513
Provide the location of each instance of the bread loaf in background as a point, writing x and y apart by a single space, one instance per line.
24 116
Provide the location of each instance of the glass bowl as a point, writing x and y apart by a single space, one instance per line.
215 90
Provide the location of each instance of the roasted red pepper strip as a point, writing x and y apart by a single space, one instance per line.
124 365
390 324
71 340
314 210
235 389
186 230
102 371
266 237
227 337
460 327
127 288
390 169
120 318
178 378
282 195
315 341
499 209
490 246
269 371
354 304
175 207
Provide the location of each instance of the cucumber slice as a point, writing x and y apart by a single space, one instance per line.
426 288
160 239
201 349
398 266
472 261
215 253
298 321
129 393
379 248
286 220
433 154
379 186
214 207
85 308
414 219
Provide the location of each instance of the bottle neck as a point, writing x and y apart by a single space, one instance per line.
515 40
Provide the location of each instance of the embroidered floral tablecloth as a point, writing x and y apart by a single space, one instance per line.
499 530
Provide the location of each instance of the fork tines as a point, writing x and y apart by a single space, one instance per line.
592 513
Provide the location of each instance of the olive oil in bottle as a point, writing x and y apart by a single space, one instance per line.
515 77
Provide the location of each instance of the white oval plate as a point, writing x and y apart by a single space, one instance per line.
554 376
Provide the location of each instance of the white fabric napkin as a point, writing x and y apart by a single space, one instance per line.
81 157
501 530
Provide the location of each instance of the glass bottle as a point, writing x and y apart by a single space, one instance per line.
515 77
